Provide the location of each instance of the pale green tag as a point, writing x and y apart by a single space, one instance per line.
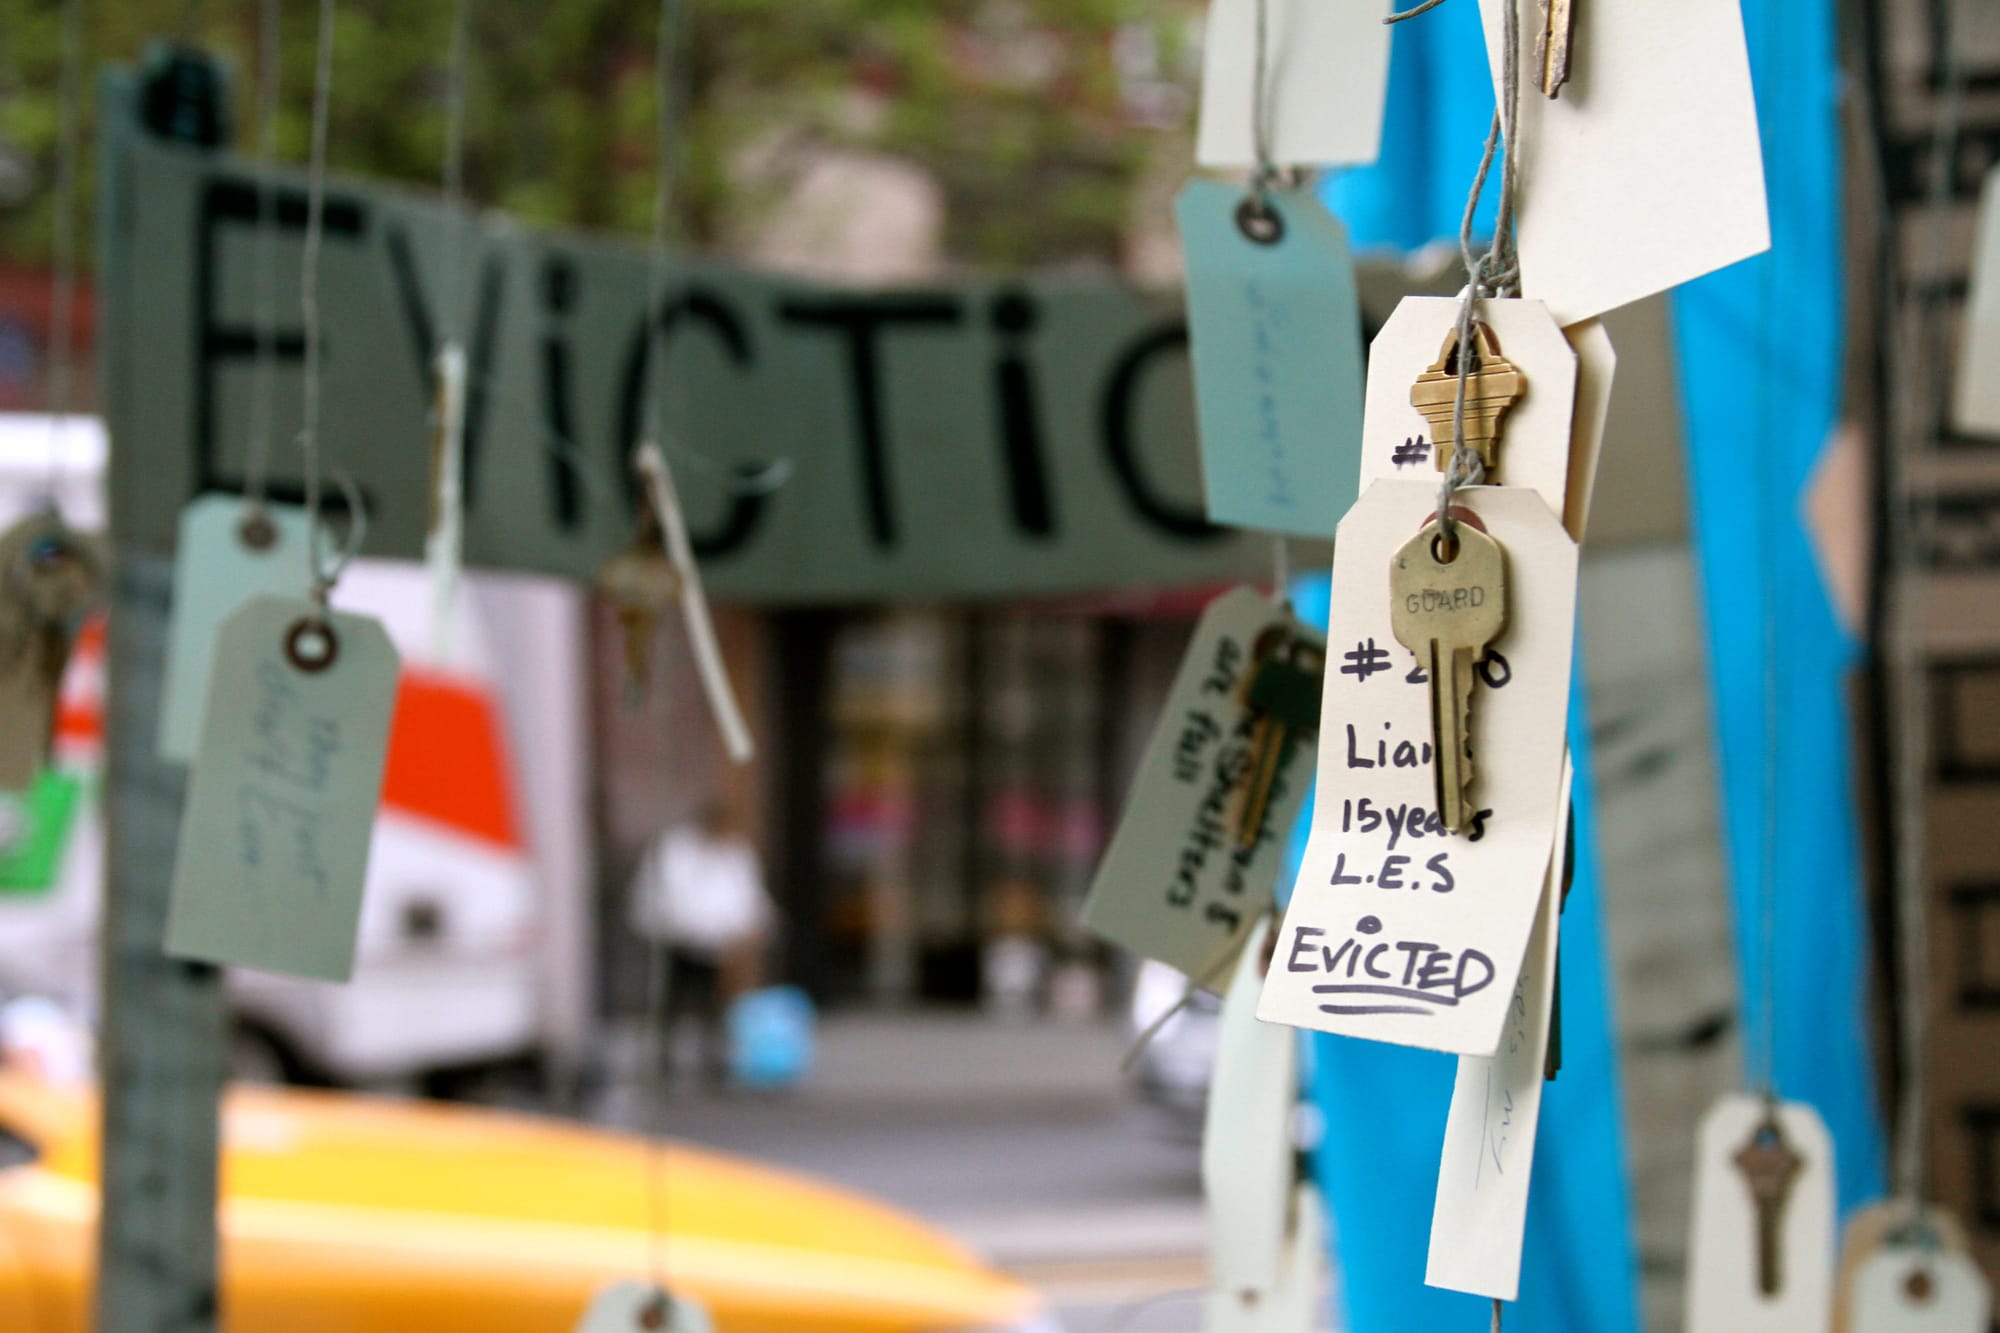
222 563
641 1307
1275 327
282 798
1175 884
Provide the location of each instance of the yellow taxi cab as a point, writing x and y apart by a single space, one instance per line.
344 1214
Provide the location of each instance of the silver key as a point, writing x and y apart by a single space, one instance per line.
1448 601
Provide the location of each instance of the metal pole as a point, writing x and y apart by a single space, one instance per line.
162 1047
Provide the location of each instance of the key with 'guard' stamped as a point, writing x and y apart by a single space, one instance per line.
1448 600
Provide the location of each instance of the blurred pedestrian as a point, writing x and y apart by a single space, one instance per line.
698 899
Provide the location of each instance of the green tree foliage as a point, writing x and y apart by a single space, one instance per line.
1036 117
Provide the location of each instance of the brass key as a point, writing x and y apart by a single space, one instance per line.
1769 1168
1492 385
1283 690
641 584
53 578
1552 47
1448 600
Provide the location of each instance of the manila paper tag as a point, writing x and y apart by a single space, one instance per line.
1248 1162
282 797
1870 1227
1646 172
1908 1288
1326 76
1489 1140
1535 433
1723 1295
1596 364
1174 885
221 564
1275 329
1975 404
641 1307
1296 1304
1398 931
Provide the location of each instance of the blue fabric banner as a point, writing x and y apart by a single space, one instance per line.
1760 352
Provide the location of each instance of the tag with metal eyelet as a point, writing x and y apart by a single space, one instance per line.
1274 329
643 1307
50 579
281 801
231 550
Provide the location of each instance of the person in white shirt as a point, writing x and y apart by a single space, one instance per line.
699 898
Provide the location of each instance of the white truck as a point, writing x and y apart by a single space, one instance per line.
474 913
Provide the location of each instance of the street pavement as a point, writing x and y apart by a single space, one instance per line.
1020 1137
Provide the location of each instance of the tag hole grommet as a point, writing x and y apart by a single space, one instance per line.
311 645
257 531
654 1313
1917 1285
1258 221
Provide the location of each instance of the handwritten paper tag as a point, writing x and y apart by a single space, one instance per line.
1596 364
1297 1303
1398 931
1647 172
641 1307
1722 1267
1326 77
1174 885
1905 1288
1489 1140
1975 404
1535 433
220 565
1248 1162
1276 335
281 801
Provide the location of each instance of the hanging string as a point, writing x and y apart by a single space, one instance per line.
62 249
1770 518
1495 273
663 203
452 319
321 574
665 63
1266 170
264 278
1496 1315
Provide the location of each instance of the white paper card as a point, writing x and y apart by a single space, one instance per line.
1596 364
1398 931
1174 884
1481 1211
1868 1228
1326 75
1298 1303
1247 1157
1723 1296
445 542
641 1307
1535 434
1908 1289
216 571
1647 172
281 801
694 606
1975 405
